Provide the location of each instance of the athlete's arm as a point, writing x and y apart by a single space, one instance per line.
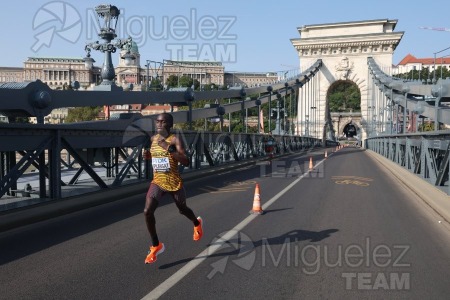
180 153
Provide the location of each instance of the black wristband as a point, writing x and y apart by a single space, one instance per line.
171 149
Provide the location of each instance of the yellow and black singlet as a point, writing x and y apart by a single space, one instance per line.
165 168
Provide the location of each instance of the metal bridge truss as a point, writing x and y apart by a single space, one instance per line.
426 156
109 153
412 99
425 153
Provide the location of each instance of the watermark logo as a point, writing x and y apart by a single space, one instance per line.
203 52
291 169
238 245
365 266
56 18
190 37
377 281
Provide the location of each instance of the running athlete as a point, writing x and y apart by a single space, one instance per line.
166 151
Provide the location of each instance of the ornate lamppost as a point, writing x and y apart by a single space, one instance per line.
109 14
148 74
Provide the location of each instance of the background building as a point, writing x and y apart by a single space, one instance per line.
61 72
204 72
8 74
411 63
250 79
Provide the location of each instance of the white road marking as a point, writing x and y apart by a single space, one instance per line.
186 269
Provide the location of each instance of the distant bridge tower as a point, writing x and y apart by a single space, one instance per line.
344 49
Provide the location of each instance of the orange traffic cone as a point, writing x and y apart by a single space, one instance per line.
257 210
310 163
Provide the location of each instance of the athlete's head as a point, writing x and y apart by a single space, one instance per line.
164 122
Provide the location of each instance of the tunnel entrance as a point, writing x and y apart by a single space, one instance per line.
350 130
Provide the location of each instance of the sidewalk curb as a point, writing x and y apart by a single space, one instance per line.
431 195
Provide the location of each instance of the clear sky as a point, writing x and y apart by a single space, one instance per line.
245 35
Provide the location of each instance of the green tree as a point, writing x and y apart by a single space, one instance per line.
344 96
172 81
80 114
196 84
155 85
152 87
19 120
425 74
186 81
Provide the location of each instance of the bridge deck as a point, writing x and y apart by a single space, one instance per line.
347 229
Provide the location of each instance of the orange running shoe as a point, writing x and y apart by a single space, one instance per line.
154 252
198 230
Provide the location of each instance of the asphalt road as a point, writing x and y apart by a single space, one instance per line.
345 230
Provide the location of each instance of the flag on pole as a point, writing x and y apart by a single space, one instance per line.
412 122
106 111
261 121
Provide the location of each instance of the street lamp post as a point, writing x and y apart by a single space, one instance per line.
148 78
307 125
163 80
442 62
258 105
110 14
314 121
269 89
434 64
201 82
434 68
292 113
284 108
369 117
278 110
374 122
157 66
229 117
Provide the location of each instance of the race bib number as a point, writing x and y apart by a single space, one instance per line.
161 164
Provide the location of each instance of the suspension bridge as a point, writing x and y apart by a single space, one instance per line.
357 221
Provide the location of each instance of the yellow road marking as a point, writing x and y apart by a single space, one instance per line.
343 177
240 183
354 180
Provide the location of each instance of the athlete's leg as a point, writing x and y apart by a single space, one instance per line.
180 200
151 203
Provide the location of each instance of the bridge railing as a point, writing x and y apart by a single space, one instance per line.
426 155
72 161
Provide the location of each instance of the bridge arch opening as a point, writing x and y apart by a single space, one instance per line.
344 109
344 96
